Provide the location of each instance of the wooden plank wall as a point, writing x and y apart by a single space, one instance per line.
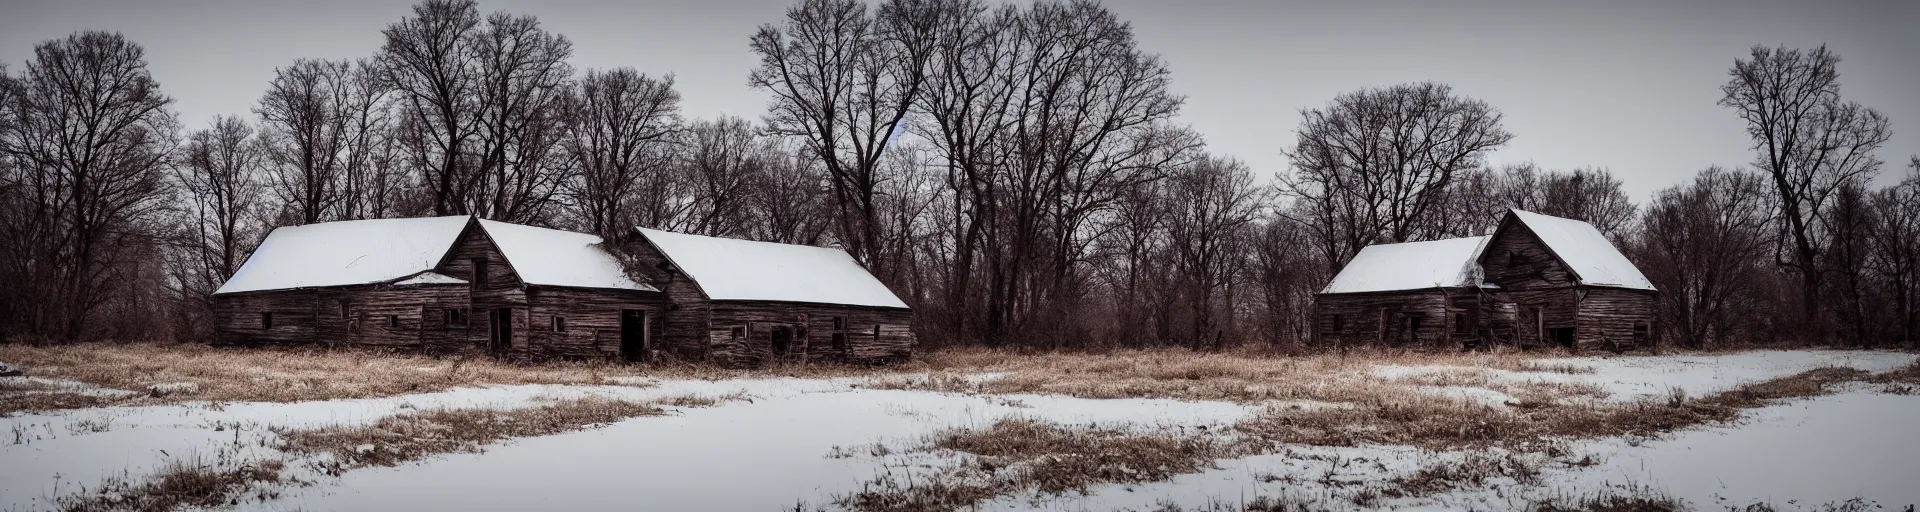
592 320
503 289
1516 259
387 316
1384 318
1608 317
684 326
238 317
375 315
873 335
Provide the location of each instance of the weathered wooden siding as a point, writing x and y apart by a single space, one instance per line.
1387 318
366 315
1616 319
742 333
501 288
592 320
684 327
1516 259
238 317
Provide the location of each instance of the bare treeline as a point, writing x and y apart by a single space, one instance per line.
1016 172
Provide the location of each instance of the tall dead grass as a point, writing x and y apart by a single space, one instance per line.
1185 374
188 371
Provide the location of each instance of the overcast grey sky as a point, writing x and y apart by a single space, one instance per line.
1629 86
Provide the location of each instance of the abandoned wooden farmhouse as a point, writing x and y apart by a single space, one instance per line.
1536 281
467 285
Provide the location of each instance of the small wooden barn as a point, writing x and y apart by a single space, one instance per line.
741 302
467 285
1537 280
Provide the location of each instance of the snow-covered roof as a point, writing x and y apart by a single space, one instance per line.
559 258
345 253
430 278
1411 266
731 269
1585 250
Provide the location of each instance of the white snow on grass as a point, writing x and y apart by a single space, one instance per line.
770 450
1811 452
1629 378
779 437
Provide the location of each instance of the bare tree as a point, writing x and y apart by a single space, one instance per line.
1373 164
1705 246
1810 142
220 176
90 140
372 175
307 118
1213 203
1895 245
722 158
523 79
621 124
844 78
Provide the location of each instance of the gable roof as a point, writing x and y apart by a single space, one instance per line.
732 269
1592 258
553 257
1446 263
345 253
405 251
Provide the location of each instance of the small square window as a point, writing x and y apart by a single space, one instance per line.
1339 323
393 321
559 323
456 317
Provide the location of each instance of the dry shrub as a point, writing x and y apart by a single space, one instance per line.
1632 498
1469 472
1055 459
1020 455
180 484
1546 367
398 439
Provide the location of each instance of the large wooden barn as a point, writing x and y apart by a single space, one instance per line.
1536 281
466 285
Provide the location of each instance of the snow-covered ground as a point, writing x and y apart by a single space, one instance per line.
772 451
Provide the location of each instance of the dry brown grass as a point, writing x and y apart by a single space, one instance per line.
189 483
1183 374
1014 456
1628 499
398 439
1054 459
303 374
1017 456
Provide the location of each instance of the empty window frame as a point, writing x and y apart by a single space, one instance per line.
456 317
559 323
479 272
839 334
266 320
1339 323
393 321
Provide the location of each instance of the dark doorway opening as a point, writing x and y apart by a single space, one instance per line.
633 335
500 333
1562 336
782 340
